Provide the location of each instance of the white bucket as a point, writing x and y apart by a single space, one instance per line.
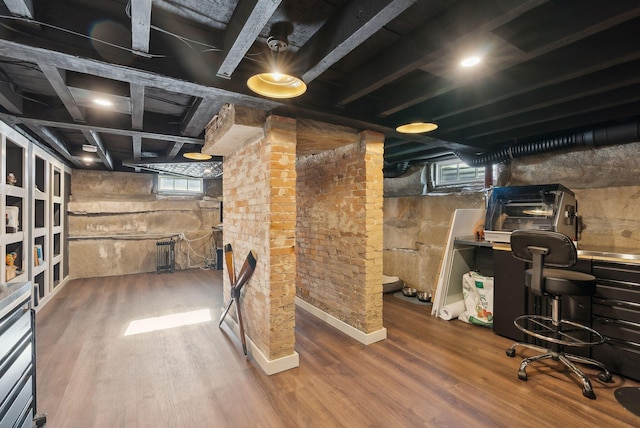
13 214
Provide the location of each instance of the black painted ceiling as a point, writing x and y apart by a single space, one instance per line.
549 68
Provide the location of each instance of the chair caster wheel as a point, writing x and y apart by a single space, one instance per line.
589 394
510 352
605 376
522 375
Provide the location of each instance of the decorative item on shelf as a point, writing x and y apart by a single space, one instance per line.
11 258
11 179
10 273
13 214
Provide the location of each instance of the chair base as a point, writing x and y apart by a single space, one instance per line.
567 360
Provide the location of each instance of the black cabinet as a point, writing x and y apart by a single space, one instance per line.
616 315
17 356
510 297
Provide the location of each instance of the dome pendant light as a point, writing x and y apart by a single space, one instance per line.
276 84
416 127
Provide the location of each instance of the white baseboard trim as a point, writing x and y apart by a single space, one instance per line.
268 366
360 336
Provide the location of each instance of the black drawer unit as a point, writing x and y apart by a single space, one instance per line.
616 315
17 357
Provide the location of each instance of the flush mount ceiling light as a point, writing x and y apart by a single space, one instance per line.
197 156
89 148
470 61
276 83
417 127
103 102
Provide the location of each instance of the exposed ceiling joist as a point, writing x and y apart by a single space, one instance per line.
53 140
137 106
126 74
248 19
56 77
412 93
137 147
175 149
358 21
200 113
101 129
94 139
427 43
140 26
23 8
10 99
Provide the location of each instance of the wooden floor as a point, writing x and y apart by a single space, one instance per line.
429 372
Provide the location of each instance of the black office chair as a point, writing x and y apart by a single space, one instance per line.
547 251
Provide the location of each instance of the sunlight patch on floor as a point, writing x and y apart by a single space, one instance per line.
166 322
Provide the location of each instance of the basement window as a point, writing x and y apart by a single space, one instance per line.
179 185
454 173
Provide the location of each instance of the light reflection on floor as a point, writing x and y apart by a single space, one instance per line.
165 322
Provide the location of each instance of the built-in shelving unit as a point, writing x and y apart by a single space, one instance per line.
34 206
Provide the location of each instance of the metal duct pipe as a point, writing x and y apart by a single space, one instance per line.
604 136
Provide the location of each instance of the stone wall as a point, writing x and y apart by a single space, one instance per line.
116 218
606 182
339 232
259 215
415 235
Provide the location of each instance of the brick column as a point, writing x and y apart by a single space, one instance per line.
339 236
259 214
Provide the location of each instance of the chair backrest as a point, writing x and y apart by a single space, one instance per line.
559 249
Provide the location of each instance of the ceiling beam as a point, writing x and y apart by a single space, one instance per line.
140 26
130 75
175 149
412 92
248 19
137 105
100 129
22 8
57 79
10 99
55 141
345 31
137 146
137 149
199 115
94 139
425 44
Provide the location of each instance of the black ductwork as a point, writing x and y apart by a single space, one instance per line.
395 170
604 136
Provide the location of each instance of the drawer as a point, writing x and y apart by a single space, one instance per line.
616 329
618 291
12 370
12 332
616 309
19 405
617 271
619 357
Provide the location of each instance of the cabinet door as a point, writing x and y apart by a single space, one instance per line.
509 294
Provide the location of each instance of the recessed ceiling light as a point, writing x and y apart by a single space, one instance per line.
103 102
197 156
470 61
416 127
87 159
